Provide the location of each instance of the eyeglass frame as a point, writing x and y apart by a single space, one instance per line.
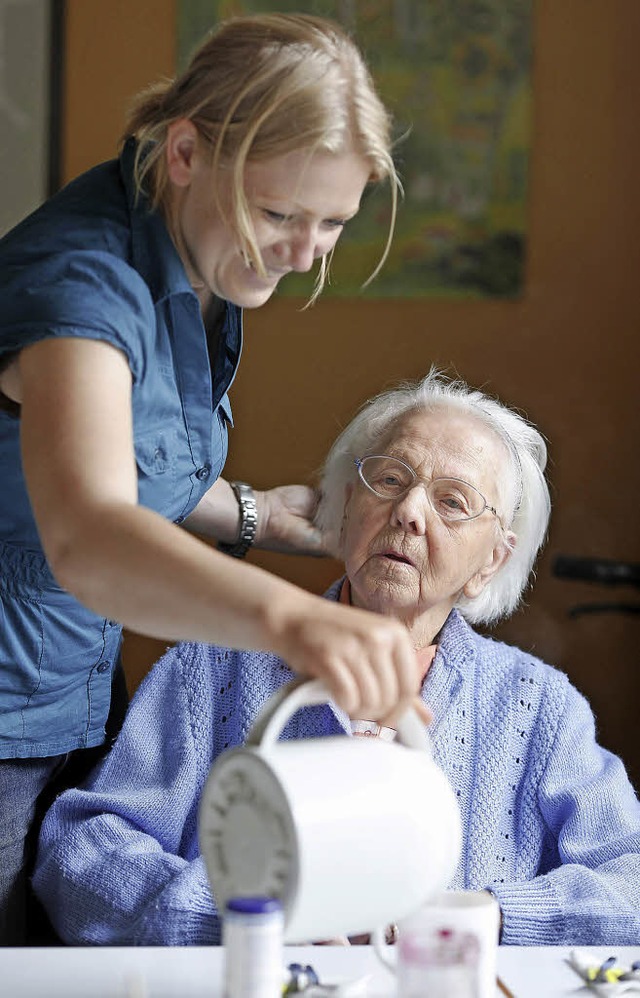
358 461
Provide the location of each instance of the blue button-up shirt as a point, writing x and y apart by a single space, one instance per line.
93 262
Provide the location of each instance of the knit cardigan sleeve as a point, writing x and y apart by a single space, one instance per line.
590 890
114 864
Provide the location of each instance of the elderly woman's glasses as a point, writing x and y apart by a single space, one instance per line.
451 498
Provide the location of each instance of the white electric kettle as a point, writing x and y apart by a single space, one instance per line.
350 833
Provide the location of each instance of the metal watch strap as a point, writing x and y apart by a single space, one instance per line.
248 521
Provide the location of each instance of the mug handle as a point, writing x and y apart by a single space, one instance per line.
302 692
380 947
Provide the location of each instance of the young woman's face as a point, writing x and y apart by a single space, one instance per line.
299 204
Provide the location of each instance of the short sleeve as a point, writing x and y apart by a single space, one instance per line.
89 294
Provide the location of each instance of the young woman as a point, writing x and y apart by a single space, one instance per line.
120 334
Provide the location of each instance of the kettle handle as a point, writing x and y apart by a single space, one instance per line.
302 692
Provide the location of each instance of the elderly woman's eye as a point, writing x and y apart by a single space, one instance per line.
385 476
389 484
451 503
394 479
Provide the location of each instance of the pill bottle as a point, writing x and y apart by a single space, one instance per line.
252 932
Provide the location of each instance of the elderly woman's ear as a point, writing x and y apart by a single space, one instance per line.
331 527
499 556
348 492
338 547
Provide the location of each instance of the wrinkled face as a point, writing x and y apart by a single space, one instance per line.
299 204
401 557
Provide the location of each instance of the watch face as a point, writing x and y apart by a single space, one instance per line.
246 832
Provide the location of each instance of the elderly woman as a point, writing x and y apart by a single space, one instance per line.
436 499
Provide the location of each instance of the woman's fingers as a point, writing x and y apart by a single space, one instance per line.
386 671
367 661
421 709
285 520
340 681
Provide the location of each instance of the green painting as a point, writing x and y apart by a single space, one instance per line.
456 75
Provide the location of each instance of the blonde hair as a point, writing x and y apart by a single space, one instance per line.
259 87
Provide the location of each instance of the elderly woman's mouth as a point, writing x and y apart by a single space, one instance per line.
397 557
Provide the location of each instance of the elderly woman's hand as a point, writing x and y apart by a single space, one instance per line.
366 660
285 521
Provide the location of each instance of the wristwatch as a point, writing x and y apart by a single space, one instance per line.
248 521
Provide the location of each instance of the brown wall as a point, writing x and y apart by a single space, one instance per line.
566 354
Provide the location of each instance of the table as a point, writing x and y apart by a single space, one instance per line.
196 972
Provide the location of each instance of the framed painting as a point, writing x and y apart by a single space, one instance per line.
30 68
456 76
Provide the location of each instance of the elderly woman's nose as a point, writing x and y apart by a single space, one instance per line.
411 510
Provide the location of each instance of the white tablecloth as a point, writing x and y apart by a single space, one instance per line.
196 972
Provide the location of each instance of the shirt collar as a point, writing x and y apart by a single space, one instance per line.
154 254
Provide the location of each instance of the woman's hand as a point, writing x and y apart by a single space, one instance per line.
367 661
420 707
285 520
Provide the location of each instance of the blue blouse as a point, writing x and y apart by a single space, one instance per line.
94 262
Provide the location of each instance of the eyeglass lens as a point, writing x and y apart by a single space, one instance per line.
390 478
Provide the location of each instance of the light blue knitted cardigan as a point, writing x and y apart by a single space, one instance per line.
551 823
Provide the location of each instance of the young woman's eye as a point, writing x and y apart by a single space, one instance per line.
335 223
274 216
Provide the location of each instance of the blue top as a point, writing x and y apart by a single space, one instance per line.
550 821
94 263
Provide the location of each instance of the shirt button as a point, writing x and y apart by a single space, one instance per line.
103 667
203 473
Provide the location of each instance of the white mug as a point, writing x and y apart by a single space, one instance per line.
349 833
448 949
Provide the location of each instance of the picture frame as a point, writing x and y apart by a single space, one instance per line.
457 79
31 56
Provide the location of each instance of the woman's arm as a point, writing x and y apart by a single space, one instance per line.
592 896
111 866
128 563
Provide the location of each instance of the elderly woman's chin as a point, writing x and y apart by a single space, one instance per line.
394 590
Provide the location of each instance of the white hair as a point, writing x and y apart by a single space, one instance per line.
525 505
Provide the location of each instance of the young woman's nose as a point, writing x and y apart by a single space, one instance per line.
303 249
411 511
